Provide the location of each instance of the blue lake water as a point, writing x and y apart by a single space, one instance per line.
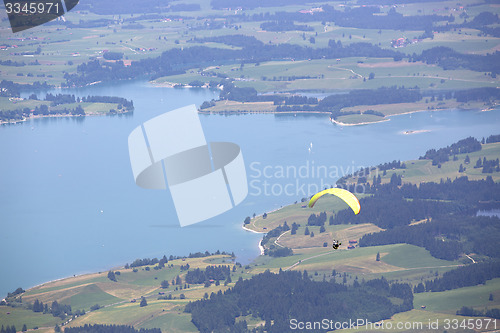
58 174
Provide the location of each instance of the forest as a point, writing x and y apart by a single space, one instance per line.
465 276
445 237
217 273
442 155
275 298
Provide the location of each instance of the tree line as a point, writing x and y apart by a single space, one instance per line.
56 309
470 312
11 89
164 259
197 276
100 328
445 237
468 145
275 298
465 276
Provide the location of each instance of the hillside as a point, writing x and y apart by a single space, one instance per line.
105 297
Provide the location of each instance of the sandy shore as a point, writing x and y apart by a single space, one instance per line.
414 132
261 248
364 123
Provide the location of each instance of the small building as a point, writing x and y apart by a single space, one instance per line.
350 247
353 241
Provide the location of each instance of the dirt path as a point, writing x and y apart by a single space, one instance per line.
277 239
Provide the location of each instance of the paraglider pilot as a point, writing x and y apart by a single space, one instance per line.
336 244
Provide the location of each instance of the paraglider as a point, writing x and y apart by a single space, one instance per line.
345 195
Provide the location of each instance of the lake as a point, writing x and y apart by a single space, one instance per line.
69 204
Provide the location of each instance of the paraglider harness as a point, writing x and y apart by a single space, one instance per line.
336 244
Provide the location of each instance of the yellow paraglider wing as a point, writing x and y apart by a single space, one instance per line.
345 195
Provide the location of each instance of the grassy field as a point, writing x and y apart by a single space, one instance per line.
18 317
297 212
451 300
418 171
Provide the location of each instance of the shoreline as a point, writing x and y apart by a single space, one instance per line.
261 248
388 117
358 124
266 112
25 119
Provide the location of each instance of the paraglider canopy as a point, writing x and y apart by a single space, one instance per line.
345 195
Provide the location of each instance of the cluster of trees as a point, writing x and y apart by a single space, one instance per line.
465 276
489 166
317 220
56 309
274 233
442 155
447 58
112 275
16 292
275 298
110 99
9 329
297 100
391 165
278 251
221 272
493 138
12 63
161 262
112 55
11 89
470 312
58 99
99 328
485 94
